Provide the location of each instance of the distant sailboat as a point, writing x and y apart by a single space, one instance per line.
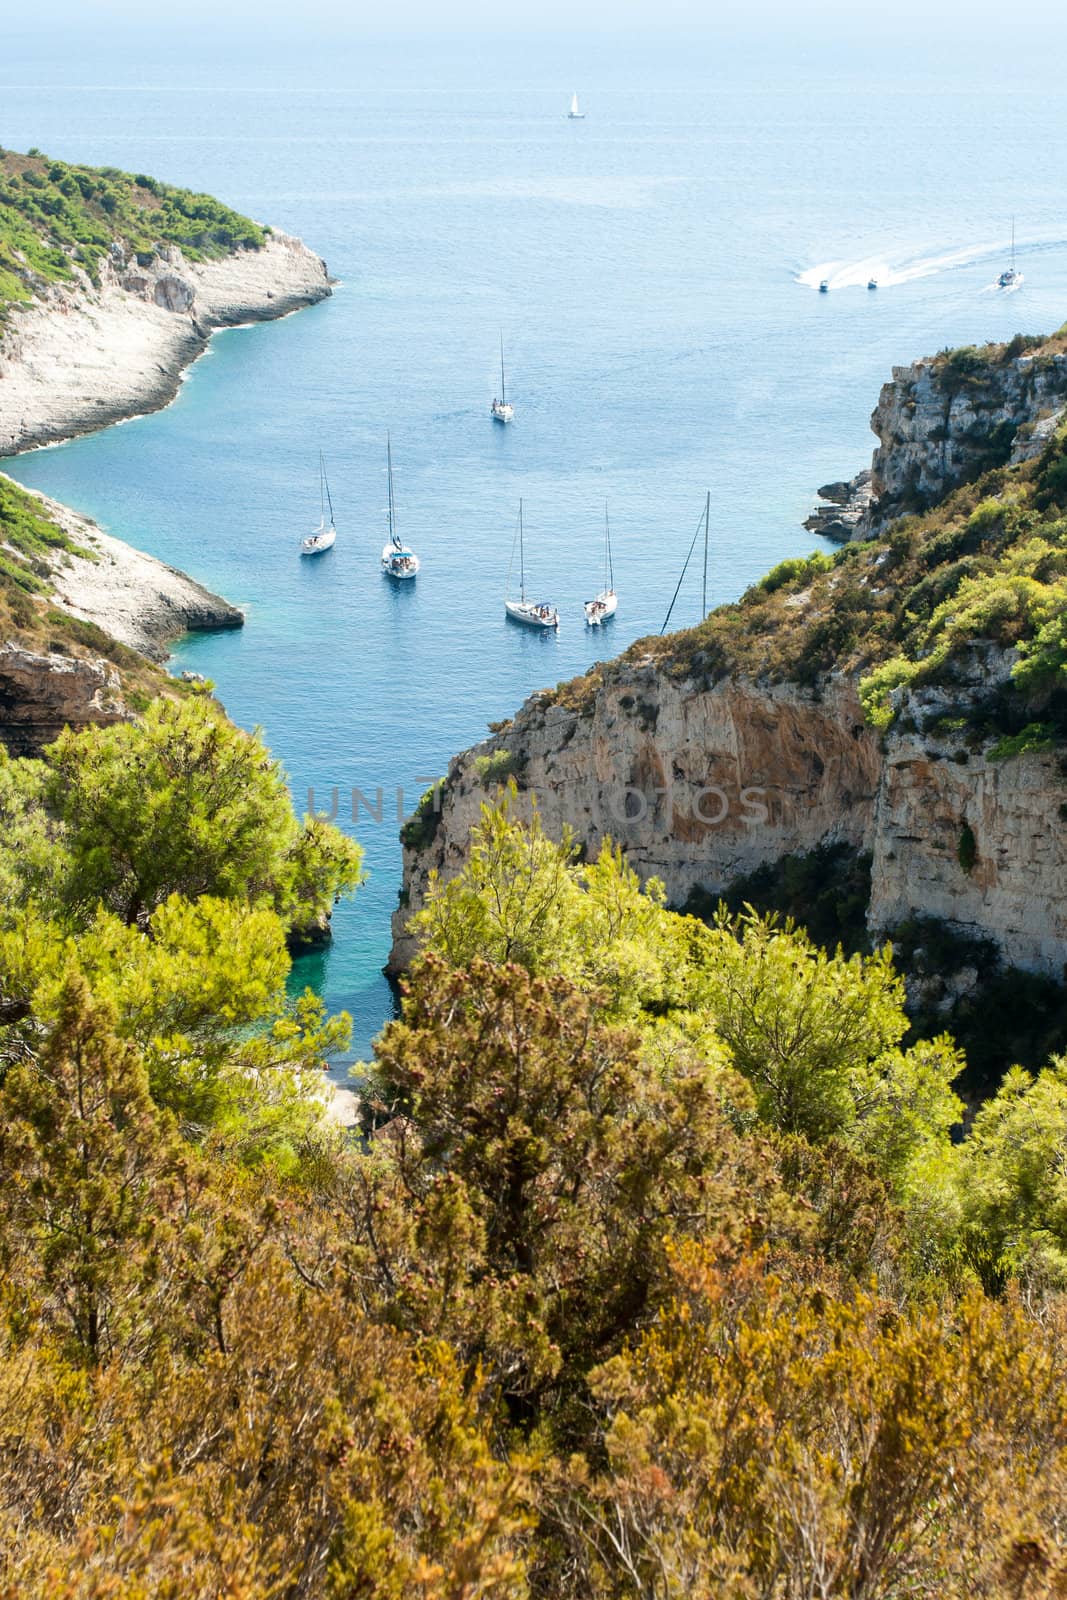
397 560
606 603
574 114
1010 278
325 534
534 613
500 410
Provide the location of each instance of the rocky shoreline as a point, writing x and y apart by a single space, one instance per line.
137 599
84 356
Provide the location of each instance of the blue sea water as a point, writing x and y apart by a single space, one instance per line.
654 272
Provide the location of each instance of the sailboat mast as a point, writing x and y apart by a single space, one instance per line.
1013 244
392 509
707 523
503 391
322 490
522 561
609 575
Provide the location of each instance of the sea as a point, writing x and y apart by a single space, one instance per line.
653 270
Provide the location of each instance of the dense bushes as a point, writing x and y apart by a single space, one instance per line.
661 1271
54 216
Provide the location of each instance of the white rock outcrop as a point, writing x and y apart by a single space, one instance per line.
140 601
80 357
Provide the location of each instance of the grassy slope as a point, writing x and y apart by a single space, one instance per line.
55 218
30 544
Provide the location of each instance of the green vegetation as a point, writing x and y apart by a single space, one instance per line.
56 218
419 829
495 768
826 891
662 1271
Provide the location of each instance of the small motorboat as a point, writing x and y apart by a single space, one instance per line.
397 560
606 603
824 287
872 283
532 613
501 410
317 543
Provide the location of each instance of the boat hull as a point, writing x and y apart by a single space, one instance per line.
399 574
319 543
530 616
502 413
602 609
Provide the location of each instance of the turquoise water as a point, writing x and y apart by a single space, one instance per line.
653 271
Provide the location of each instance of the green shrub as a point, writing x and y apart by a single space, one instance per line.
496 767
967 848
419 829
1034 737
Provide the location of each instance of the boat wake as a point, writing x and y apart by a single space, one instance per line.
888 274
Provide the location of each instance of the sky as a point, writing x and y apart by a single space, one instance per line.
383 16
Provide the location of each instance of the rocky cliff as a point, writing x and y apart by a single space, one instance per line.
943 422
41 694
704 784
906 699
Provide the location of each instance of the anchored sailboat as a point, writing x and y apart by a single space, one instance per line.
534 613
397 560
705 523
574 114
606 603
325 534
500 410
1010 278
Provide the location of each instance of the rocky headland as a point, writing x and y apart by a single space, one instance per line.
903 701
82 355
944 421
110 285
140 601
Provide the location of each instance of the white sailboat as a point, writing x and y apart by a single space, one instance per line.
325 534
574 114
500 410
398 561
533 613
1010 278
606 603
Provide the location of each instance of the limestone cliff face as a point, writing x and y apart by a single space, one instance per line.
704 784
700 785
40 695
939 426
941 423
